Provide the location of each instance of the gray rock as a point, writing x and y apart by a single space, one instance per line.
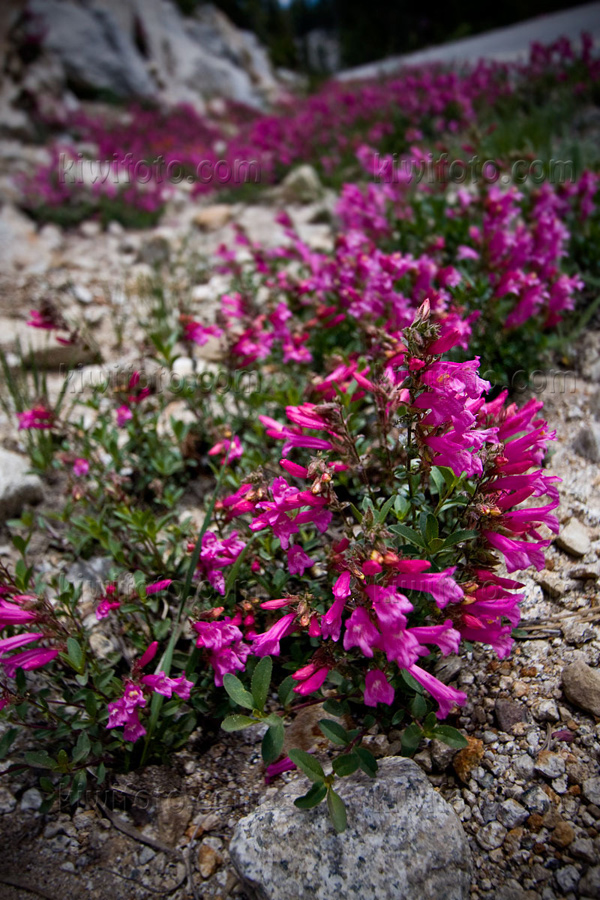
492 836
536 800
567 878
403 840
589 886
583 848
17 487
511 814
301 185
591 790
524 766
574 539
31 800
587 442
546 710
154 251
7 801
510 713
581 685
95 52
550 764
442 755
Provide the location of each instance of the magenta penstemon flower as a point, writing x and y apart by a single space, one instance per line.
158 586
38 417
81 467
377 689
28 659
124 414
311 678
231 449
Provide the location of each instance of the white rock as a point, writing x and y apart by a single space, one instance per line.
403 841
31 799
17 486
574 538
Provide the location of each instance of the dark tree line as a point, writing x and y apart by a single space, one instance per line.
368 31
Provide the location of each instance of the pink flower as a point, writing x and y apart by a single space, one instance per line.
232 450
80 467
148 655
217 554
298 560
377 689
224 642
445 636
105 607
267 644
446 696
311 677
19 640
124 414
440 585
27 660
158 586
518 554
160 683
361 632
341 588
44 319
11 614
391 607
38 417
277 768
200 334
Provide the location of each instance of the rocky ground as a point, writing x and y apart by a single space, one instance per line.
527 788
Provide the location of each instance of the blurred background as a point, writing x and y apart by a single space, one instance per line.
321 36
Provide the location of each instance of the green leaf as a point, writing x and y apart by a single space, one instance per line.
79 786
286 690
237 723
335 708
418 706
357 513
91 705
261 679
411 738
39 759
161 628
75 654
431 530
411 682
308 764
46 784
100 773
346 764
366 761
457 537
451 736
312 797
337 811
383 512
438 479
82 747
7 740
272 743
409 534
334 732
237 691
